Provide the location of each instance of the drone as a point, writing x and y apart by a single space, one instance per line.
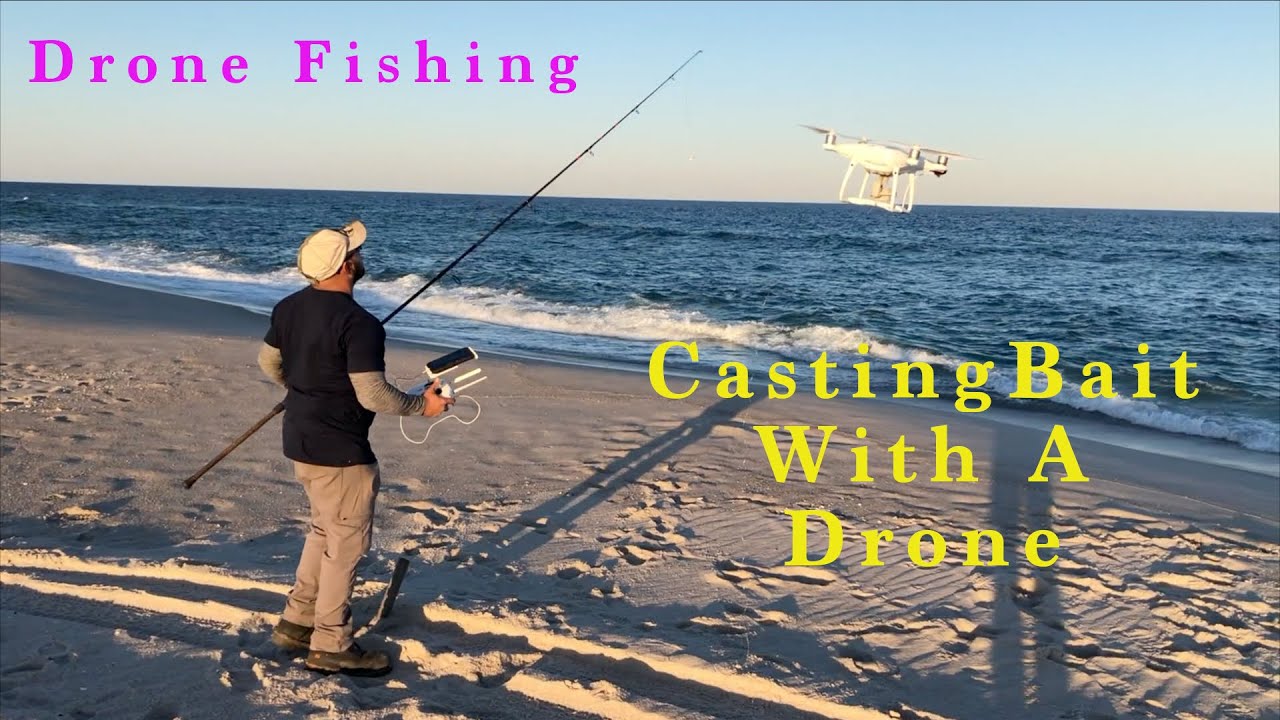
886 161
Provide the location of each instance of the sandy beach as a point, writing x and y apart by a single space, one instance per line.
587 549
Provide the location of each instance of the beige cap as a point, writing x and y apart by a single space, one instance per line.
324 251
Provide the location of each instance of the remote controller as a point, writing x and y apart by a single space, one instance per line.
438 367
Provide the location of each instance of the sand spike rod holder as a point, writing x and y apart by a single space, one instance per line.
279 408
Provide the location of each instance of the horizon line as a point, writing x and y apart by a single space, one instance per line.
632 199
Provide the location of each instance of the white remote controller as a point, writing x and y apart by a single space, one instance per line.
447 364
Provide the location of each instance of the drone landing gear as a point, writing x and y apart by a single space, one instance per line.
884 192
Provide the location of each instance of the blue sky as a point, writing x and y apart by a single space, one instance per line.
1146 105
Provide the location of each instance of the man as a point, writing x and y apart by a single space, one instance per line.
329 353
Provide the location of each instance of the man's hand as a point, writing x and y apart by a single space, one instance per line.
433 402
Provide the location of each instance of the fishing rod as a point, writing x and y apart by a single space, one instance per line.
279 408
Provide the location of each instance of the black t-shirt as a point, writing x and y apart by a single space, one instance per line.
322 336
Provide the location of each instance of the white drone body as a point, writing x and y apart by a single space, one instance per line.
887 162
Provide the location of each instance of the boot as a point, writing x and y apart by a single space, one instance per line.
352 661
290 636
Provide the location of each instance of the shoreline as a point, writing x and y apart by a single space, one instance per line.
1250 490
1095 426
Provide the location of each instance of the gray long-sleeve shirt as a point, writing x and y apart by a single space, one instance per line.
372 389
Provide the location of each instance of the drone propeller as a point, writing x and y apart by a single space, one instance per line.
820 131
829 131
946 153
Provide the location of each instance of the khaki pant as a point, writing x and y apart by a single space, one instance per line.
342 503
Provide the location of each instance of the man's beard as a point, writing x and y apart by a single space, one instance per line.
357 272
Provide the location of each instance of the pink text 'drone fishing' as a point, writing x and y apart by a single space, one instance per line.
54 61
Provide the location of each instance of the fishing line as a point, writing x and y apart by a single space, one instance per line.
688 126
279 408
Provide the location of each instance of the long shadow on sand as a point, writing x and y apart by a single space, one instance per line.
1028 676
520 537
1033 608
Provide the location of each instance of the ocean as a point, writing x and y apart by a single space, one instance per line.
603 282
